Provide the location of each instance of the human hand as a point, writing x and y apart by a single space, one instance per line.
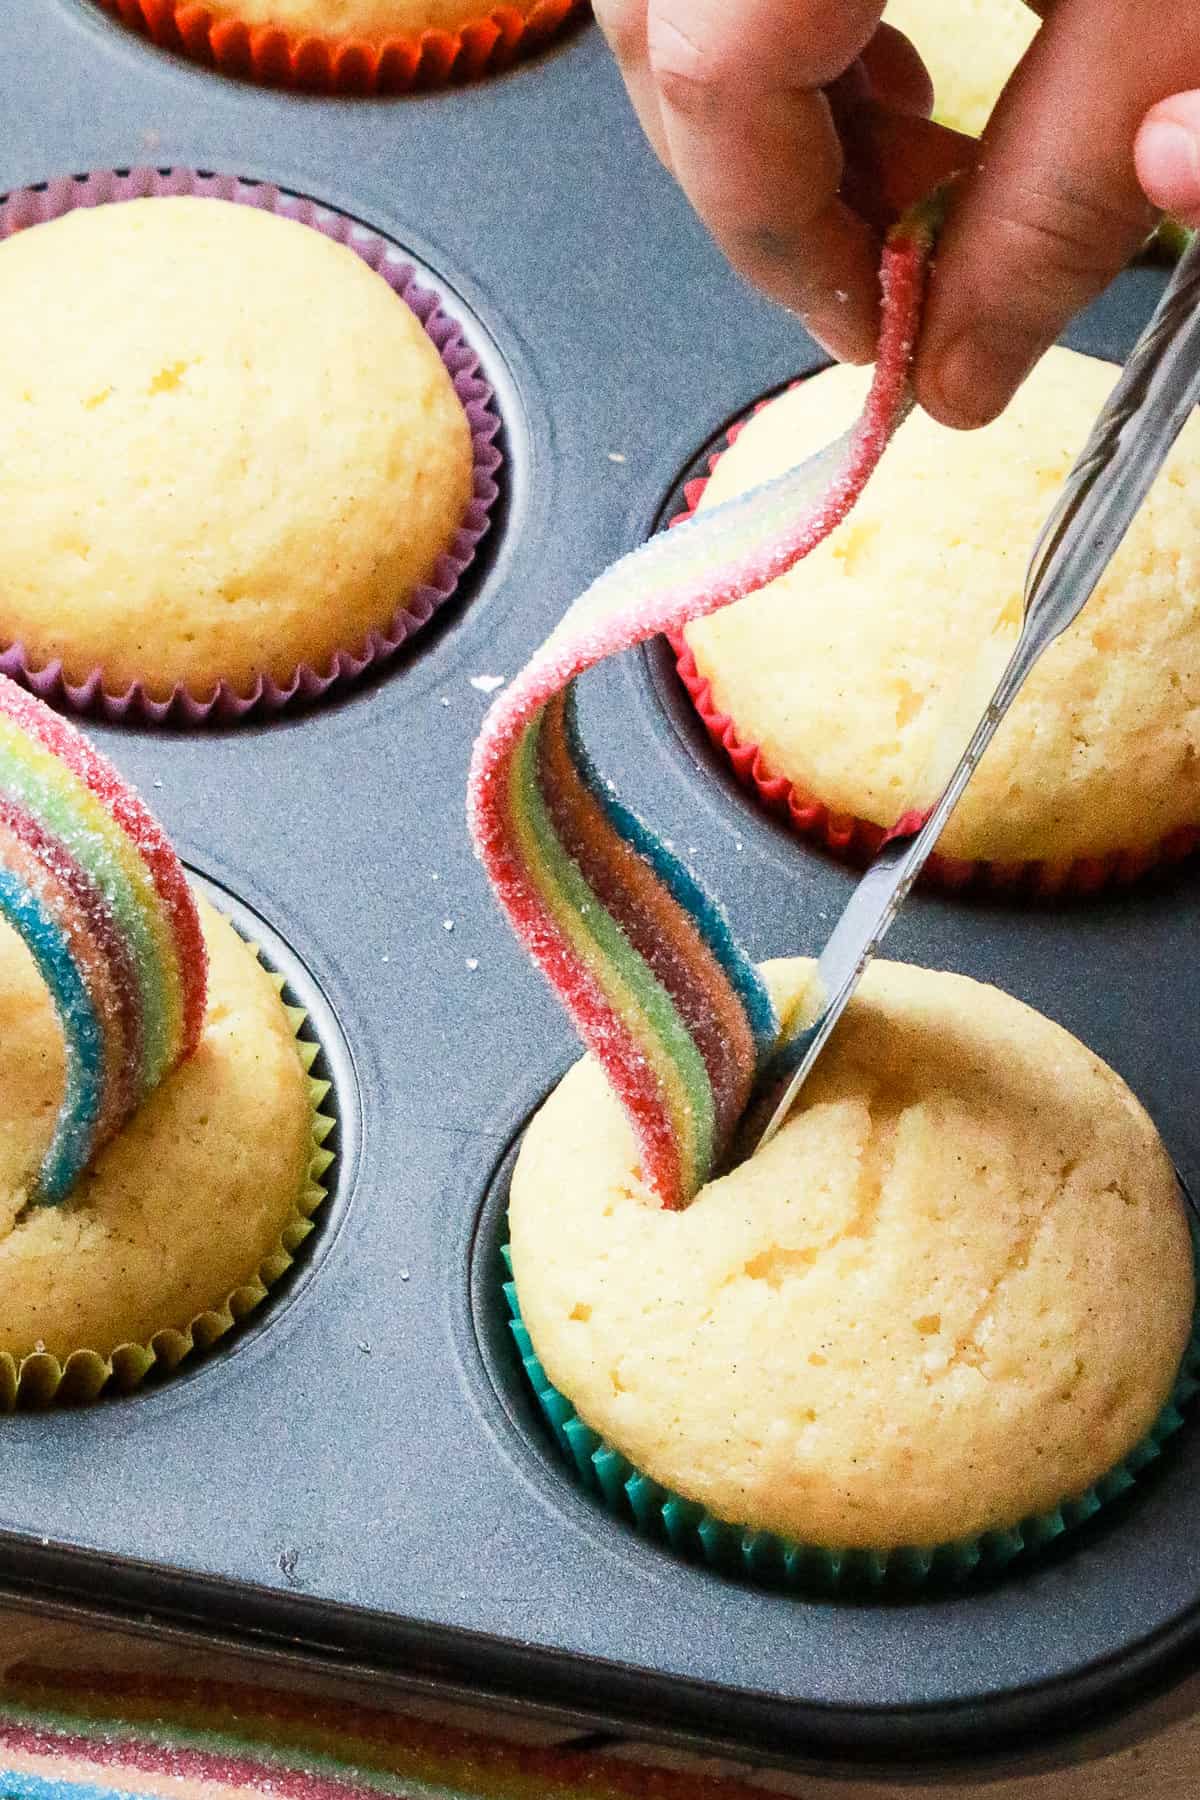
774 115
779 117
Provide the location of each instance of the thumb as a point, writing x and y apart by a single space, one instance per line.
1167 154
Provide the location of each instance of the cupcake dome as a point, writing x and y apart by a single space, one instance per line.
199 1199
229 450
953 1292
970 48
850 670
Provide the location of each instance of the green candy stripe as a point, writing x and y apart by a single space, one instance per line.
567 892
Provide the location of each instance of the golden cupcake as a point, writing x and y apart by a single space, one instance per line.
230 451
950 1296
356 47
188 1214
376 22
970 48
857 673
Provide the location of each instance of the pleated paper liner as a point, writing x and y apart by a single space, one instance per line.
41 1380
333 64
761 1557
28 207
857 840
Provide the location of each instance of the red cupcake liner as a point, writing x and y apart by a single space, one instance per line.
857 840
330 65
36 206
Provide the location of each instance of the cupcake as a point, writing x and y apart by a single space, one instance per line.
188 1214
352 46
845 689
970 48
160 1144
234 458
945 1310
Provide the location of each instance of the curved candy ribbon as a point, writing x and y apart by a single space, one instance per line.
90 882
643 960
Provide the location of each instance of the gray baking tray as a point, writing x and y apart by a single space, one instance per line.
359 1474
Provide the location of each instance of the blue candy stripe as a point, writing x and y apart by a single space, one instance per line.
71 1145
706 913
19 1784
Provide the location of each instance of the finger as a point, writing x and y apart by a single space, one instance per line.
1053 209
1167 156
894 159
753 143
623 23
896 73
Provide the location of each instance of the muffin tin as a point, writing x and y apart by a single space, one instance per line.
359 1474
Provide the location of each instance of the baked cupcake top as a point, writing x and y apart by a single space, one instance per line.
849 671
229 448
370 21
187 1204
970 48
953 1291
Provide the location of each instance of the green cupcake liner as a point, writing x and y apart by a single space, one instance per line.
691 1531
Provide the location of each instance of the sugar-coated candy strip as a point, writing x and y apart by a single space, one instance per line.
91 883
643 960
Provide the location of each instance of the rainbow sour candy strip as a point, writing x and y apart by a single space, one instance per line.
90 882
643 960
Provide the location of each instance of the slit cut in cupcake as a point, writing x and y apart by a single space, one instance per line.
944 1317
356 47
834 690
247 454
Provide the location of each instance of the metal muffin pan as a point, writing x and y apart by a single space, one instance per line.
359 1476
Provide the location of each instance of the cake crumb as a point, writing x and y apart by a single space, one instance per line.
364 1346
616 456
404 1274
286 1562
444 700
447 924
472 962
487 684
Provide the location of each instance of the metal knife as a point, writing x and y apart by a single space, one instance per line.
1129 443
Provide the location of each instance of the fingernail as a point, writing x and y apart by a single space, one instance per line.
1169 163
975 378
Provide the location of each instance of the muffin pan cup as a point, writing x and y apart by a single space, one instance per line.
360 1474
30 207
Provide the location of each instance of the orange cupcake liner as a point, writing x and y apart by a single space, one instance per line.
274 57
857 840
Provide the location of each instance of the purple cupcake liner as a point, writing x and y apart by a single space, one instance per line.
37 206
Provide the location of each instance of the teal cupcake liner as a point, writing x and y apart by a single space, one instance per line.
691 1531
